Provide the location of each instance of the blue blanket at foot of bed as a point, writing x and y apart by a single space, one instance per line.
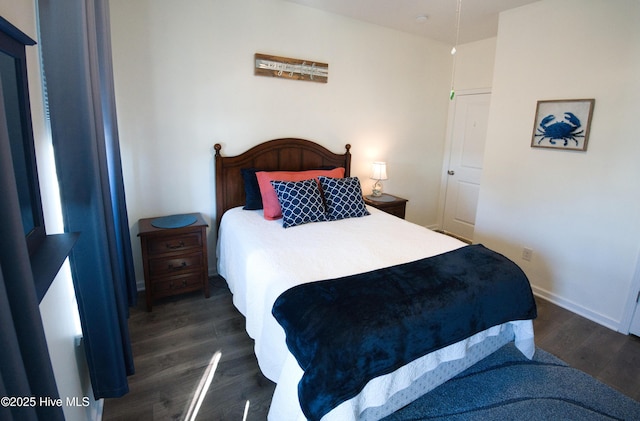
344 332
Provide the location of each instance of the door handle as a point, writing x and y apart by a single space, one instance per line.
451 172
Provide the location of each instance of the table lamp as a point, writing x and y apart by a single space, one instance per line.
378 173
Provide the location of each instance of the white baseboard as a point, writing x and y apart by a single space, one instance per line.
96 410
575 308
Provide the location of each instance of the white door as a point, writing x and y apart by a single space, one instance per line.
634 326
468 136
635 321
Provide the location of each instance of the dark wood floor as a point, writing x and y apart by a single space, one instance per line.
174 343
611 357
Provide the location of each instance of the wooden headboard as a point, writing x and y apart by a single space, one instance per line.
287 154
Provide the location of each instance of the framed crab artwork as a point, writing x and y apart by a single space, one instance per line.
562 124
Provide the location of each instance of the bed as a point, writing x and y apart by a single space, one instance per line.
264 263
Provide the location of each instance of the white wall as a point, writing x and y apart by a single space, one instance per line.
58 308
184 81
578 211
474 65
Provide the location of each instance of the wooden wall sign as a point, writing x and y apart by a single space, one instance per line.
291 68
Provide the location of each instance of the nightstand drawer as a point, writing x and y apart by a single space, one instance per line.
398 211
176 285
166 244
388 203
169 266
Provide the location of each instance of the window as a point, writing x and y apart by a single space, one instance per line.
15 95
46 252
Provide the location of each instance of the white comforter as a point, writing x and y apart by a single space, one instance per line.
260 260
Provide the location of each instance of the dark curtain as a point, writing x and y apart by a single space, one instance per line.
76 55
25 365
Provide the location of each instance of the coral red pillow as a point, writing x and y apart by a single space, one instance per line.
270 202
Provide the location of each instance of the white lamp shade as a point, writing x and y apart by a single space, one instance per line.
379 171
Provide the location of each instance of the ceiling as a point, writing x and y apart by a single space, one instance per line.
478 18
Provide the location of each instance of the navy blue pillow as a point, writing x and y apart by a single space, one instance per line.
343 197
301 202
253 198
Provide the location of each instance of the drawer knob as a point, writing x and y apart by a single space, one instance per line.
181 266
173 247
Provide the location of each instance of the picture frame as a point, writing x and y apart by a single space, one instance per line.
562 124
290 68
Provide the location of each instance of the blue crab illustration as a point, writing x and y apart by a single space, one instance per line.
566 130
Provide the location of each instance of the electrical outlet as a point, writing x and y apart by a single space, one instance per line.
527 254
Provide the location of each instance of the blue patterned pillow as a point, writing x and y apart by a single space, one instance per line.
343 197
301 202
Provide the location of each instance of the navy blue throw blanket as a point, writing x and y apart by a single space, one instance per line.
344 332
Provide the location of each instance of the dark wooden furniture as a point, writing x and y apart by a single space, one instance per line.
287 154
391 204
174 259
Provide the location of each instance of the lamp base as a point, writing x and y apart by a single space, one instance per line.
377 189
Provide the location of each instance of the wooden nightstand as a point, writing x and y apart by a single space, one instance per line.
174 259
388 203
